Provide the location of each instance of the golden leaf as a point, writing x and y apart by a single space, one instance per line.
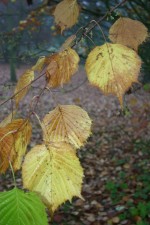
54 173
23 85
67 123
113 68
6 149
22 134
61 66
39 64
128 32
66 14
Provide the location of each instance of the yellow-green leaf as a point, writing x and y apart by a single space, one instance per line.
66 14
23 85
54 173
67 123
22 134
61 67
113 68
128 32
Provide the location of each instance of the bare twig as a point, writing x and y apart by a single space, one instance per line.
22 89
90 26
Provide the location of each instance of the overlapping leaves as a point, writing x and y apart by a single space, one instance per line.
21 130
61 67
14 138
52 169
54 172
67 123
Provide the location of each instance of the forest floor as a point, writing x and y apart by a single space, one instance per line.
116 158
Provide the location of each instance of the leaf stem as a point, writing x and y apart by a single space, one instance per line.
13 174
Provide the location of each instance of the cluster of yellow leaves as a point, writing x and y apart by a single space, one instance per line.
52 169
114 67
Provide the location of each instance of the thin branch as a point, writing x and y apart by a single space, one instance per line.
90 26
75 88
22 89
33 108
85 31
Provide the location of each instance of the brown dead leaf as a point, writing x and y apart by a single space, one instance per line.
128 32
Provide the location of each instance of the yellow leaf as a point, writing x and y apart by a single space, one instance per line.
67 123
54 173
66 14
6 149
22 134
39 64
113 68
23 85
8 119
61 66
128 32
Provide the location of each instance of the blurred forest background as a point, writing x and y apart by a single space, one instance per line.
116 158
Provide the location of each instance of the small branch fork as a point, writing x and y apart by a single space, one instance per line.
92 24
84 32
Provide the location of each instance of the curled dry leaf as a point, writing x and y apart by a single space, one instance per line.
113 68
39 64
54 173
6 149
23 85
22 134
61 66
128 32
66 14
67 123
